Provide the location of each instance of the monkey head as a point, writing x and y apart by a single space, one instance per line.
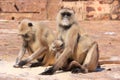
65 17
57 46
25 29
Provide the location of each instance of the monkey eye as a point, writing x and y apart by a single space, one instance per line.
61 45
30 24
66 13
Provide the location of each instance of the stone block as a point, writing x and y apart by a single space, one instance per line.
52 11
7 7
7 0
31 6
115 7
105 1
15 16
39 16
54 1
115 16
96 10
34 1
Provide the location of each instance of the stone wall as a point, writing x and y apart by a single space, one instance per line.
95 9
47 9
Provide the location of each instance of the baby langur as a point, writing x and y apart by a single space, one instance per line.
80 53
57 47
37 38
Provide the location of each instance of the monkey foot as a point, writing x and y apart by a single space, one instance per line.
76 70
35 64
49 71
22 63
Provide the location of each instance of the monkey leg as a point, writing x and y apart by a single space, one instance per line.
20 56
49 59
33 56
39 60
91 60
76 67
59 63
42 60
38 63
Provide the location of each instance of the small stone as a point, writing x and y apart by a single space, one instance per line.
109 69
114 16
89 9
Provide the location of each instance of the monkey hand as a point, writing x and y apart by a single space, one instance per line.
16 66
22 63
48 71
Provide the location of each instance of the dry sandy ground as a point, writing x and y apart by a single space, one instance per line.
7 72
106 33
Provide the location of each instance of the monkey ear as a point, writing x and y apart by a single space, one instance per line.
30 24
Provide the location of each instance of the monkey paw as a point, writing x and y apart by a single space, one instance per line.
76 70
48 71
16 66
22 63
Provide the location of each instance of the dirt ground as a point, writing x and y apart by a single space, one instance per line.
106 33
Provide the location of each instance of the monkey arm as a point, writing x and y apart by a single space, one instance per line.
33 56
70 43
59 37
21 54
62 59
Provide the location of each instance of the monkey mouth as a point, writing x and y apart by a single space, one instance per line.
65 22
26 37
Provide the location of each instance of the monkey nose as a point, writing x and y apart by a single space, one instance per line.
24 35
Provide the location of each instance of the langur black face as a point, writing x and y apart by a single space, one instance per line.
65 17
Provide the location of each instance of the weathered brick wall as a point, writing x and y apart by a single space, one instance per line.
19 9
95 9
47 9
